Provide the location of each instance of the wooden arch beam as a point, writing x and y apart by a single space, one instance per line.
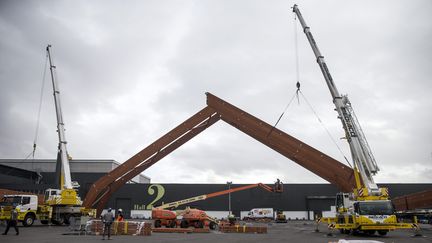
312 159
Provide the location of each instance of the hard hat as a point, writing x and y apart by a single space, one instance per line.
120 210
109 209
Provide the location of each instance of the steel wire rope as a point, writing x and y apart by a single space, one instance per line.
32 153
37 119
10 170
40 106
325 128
296 58
280 117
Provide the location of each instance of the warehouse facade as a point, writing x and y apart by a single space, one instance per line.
137 197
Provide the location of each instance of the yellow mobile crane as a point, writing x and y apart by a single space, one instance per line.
367 208
64 200
59 204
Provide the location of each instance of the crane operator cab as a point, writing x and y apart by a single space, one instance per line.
374 209
51 194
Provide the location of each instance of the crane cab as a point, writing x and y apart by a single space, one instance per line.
344 202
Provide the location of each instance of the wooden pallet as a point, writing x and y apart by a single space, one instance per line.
244 229
122 228
180 230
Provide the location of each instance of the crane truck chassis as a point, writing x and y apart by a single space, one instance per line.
29 210
367 208
27 207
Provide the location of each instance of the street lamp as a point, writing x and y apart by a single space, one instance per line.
229 197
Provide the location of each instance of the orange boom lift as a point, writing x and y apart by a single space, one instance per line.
163 216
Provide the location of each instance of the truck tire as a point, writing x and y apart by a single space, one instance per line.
67 218
382 232
157 223
199 224
59 221
172 224
212 225
28 220
184 224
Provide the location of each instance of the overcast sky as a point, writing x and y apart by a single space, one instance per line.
130 71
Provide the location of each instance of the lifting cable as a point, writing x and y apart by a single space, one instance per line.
40 107
298 91
280 117
296 57
323 125
22 161
32 153
37 123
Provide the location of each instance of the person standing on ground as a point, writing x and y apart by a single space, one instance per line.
12 222
120 216
107 220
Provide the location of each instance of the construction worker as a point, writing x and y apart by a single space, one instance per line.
107 220
232 219
120 217
12 222
278 186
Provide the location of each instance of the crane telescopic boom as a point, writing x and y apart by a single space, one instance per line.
65 180
362 156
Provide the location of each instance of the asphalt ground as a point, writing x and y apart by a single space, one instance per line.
293 231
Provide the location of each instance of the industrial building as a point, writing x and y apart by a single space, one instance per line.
137 197
40 173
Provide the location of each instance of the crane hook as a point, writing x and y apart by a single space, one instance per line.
297 92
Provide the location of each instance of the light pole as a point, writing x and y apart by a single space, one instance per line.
229 197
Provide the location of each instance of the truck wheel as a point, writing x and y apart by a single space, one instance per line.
28 220
212 225
173 224
184 224
382 232
58 221
199 224
66 219
157 223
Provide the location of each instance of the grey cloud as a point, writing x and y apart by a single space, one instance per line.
131 71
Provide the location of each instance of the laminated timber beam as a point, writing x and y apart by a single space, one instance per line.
101 186
313 160
218 109
418 200
113 187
